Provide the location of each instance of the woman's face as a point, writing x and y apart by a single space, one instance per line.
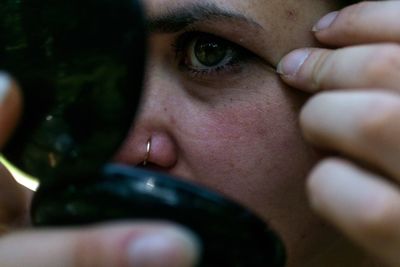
218 114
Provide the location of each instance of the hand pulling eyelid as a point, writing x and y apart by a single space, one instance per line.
80 64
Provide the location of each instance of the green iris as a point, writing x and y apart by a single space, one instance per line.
210 51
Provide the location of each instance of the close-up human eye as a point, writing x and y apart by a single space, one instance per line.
203 55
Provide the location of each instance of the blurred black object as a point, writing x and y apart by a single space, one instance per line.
231 236
80 64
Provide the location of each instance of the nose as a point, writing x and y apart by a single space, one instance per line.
151 139
151 148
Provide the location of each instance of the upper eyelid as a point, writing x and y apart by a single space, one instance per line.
184 37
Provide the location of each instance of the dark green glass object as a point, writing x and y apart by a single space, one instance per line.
230 235
80 64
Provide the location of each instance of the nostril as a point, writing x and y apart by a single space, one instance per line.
153 167
159 152
162 151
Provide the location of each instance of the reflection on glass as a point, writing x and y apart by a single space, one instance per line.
21 177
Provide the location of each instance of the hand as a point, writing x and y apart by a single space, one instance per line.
356 113
122 244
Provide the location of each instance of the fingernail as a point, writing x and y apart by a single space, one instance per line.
326 21
168 248
5 85
292 63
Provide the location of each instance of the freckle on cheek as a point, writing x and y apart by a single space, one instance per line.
291 14
261 131
172 120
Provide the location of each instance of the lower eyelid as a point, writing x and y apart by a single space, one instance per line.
219 74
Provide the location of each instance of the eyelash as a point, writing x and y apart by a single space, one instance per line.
235 64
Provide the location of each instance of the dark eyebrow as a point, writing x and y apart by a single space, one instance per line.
178 19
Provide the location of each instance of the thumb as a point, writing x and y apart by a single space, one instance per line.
124 245
14 198
10 106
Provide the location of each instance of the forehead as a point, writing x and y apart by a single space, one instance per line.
158 5
256 9
259 10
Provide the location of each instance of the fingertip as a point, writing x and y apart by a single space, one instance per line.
317 187
290 65
10 106
364 206
295 68
6 85
170 247
141 244
325 22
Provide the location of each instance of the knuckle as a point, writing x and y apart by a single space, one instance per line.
384 62
324 167
320 70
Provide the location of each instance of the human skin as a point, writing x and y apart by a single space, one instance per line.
236 132
354 113
356 191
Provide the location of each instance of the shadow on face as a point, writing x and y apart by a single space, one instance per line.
218 114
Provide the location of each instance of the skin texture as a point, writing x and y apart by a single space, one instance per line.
355 113
236 133
240 135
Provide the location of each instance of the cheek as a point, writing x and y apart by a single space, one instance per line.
242 147
254 154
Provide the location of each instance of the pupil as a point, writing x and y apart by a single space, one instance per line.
209 51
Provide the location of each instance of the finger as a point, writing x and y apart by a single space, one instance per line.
361 204
14 202
362 125
122 245
365 22
369 66
10 106
14 198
